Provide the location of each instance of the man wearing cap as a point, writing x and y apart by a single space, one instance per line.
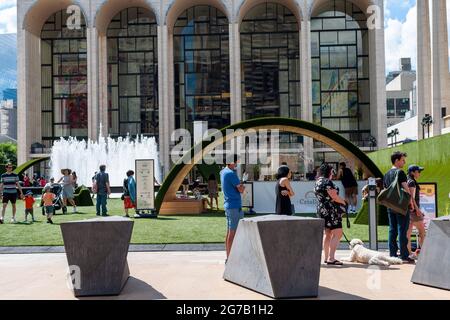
9 183
416 215
232 189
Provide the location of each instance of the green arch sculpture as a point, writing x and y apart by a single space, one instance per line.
27 165
173 181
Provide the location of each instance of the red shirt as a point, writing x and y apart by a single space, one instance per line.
29 201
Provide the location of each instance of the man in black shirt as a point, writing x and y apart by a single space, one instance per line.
398 223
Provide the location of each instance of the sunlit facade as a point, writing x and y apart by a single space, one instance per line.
144 67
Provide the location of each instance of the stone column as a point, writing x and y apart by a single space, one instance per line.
424 71
95 110
29 93
377 66
164 77
306 86
440 64
235 73
102 91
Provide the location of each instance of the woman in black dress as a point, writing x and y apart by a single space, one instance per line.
328 203
284 192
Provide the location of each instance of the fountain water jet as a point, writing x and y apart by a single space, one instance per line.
118 155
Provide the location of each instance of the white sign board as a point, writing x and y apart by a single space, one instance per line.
145 184
247 195
305 200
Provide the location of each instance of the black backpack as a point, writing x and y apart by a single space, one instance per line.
126 193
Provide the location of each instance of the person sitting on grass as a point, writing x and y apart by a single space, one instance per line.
29 202
48 199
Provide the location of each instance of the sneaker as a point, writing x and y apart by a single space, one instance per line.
1 221
13 220
105 215
409 261
49 221
74 209
412 256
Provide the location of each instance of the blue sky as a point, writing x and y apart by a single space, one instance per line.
400 26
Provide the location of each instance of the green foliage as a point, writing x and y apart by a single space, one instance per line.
434 155
8 153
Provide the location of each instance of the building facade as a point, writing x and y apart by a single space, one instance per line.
151 66
400 91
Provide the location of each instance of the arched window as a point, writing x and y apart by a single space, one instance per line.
64 103
133 73
270 63
201 68
340 71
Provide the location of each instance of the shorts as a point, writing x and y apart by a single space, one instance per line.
29 211
414 217
68 193
9 197
351 191
233 217
127 203
49 210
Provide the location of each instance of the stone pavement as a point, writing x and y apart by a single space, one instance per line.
141 248
197 275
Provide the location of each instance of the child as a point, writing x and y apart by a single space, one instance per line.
29 201
48 198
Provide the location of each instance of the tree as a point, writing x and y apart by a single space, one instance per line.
8 153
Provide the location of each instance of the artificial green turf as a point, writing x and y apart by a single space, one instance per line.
434 155
205 228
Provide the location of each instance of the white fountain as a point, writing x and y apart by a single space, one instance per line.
118 155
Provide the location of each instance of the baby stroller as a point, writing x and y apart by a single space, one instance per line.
58 203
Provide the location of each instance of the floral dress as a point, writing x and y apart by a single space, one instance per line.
326 208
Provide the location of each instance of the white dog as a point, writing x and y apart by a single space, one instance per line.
363 255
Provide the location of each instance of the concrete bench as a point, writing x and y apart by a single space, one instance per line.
96 251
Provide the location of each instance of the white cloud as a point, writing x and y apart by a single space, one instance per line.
401 40
8 19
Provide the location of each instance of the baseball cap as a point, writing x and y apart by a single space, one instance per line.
413 168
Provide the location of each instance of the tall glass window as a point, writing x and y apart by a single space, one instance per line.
64 103
201 68
270 63
133 73
340 71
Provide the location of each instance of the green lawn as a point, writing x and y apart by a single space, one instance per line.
206 228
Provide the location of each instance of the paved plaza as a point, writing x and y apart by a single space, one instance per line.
197 275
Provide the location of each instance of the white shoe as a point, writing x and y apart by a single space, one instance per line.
74 209
13 220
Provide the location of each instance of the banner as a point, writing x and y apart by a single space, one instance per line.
145 184
305 200
428 201
247 196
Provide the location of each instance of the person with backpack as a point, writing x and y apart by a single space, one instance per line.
398 223
102 189
350 185
129 192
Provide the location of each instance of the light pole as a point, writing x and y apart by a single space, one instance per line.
396 132
372 142
427 120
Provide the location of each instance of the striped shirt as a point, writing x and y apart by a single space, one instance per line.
9 181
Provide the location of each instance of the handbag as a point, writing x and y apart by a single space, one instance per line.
395 198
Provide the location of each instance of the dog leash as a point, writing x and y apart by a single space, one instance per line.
348 226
